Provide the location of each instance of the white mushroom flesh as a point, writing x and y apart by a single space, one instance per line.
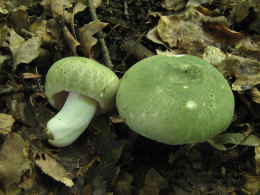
72 120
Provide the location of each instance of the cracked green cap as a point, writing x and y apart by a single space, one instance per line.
175 99
84 76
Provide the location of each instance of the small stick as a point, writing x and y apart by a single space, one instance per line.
100 36
137 49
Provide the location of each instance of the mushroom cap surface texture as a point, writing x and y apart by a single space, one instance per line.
175 99
84 76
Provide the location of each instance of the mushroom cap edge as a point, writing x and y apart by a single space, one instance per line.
197 119
82 75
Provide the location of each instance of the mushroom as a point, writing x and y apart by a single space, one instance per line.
175 99
87 88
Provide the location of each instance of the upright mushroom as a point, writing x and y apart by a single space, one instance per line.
175 99
88 88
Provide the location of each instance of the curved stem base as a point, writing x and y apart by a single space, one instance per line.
72 120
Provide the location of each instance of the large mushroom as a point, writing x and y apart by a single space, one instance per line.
88 88
175 99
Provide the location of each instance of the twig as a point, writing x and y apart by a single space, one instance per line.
100 36
137 49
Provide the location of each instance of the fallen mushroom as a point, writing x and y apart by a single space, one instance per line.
175 99
88 88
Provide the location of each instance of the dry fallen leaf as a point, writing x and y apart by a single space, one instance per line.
86 33
116 119
234 138
15 42
245 70
240 10
79 7
6 123
55 29
52 168
14 166
154 183
24 51
154 36
123 184
249 48
174 30
20 19
252 184
70 40
28 75
255 95
185 35
4 31
3 10
59 9
173 4
257 160
223 33
39 28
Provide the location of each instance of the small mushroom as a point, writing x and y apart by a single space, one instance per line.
175 99
88 88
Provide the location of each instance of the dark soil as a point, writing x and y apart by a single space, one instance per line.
142 166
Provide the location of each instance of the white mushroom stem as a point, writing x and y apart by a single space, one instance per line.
72 120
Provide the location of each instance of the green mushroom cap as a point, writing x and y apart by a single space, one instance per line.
175 99
84 76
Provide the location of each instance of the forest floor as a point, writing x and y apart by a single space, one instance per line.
109 158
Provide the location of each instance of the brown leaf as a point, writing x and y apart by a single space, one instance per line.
4 31
3 10
154 36
54 28
173 5
39 28
86 35
6 123
252 184
96 3
154 183
13 164
123 184
116 119
70 40
186 35
46 4
223 33
20 19
257 160
245 70
255 94
58 8
79 7
249 48
52 168
28 51
15 42
29 75
205 11
240 10
24 51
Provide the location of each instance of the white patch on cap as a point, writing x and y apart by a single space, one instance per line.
190 104
179 55
185 86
